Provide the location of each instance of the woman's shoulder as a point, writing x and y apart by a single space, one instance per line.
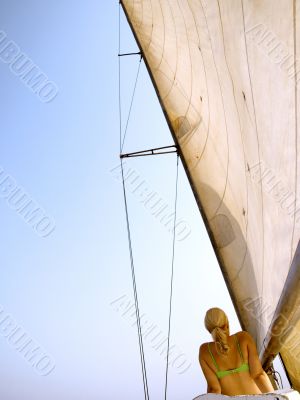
243 336
204 347
241 333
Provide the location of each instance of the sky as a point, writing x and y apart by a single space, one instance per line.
67 325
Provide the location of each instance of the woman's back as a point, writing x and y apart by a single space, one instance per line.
232 371
230 363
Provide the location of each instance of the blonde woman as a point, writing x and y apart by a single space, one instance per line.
230 363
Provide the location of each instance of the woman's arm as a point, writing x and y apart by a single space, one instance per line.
256 371
263 382
213 385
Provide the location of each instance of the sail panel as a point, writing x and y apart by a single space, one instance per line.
226 77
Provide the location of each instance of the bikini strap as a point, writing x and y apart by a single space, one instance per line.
212 357
238 347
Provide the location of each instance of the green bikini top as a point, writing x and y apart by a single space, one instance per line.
243 367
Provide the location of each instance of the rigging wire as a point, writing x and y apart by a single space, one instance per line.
119 81
131 103
285 370
172 278
137 311
276 376
279 379
140 337
121 145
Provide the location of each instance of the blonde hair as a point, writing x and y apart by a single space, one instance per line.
215 320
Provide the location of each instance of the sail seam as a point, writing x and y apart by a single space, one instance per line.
164 39
176 67
152 24
206 85
225 119
190 61
240 126
258 150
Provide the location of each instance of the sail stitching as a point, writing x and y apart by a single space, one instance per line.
164 39
175 71
225 119
241 134
191 66
206 85
258 151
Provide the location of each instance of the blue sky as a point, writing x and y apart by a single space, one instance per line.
68 291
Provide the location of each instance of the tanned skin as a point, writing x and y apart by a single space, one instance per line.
254 381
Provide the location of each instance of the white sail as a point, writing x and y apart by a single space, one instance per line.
226 73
